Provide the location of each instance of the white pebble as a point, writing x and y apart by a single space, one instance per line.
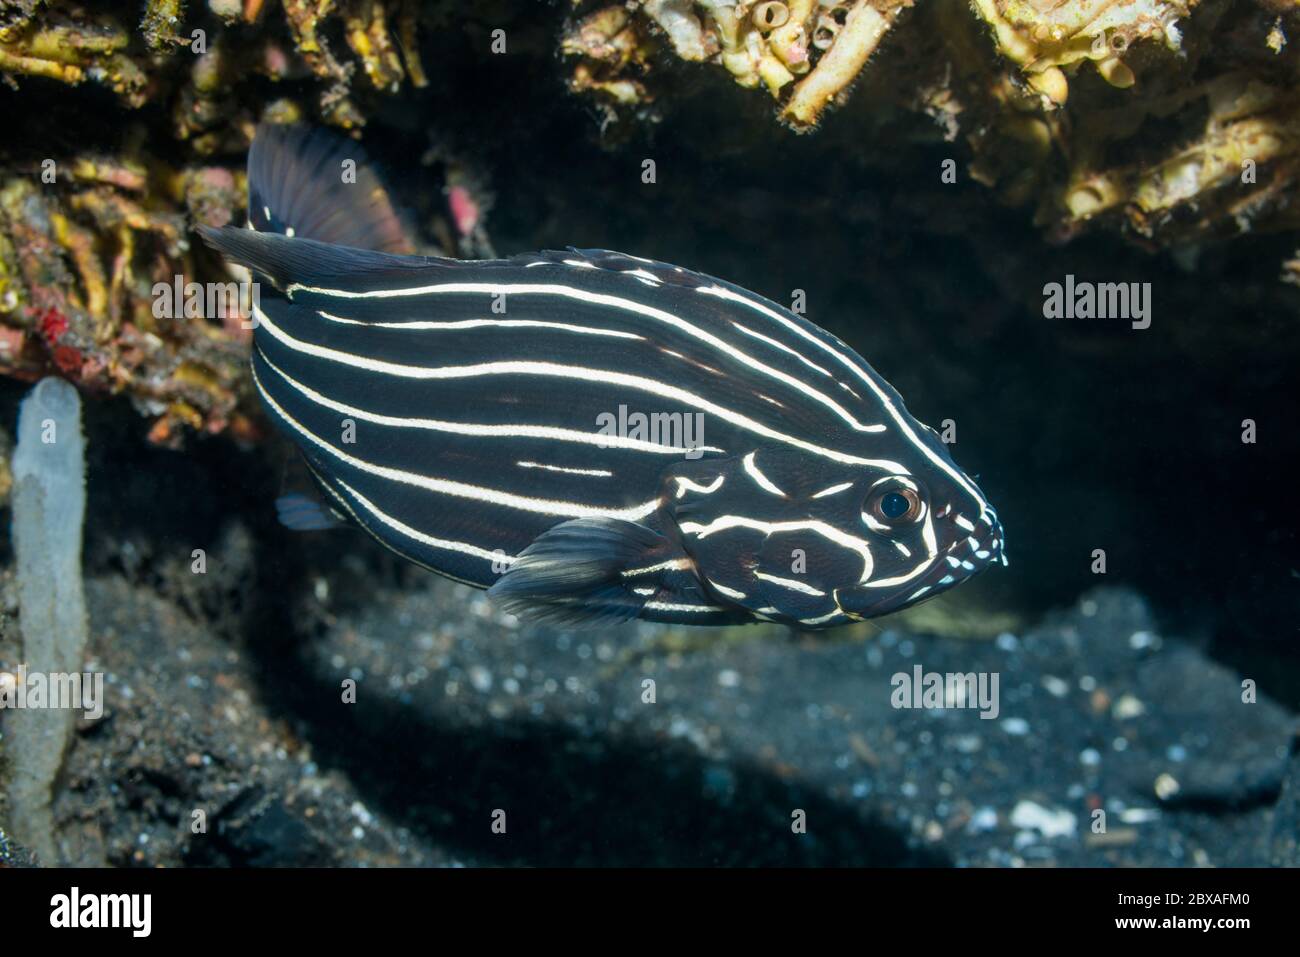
1056 687
984 819
1016 726
1027 815
1139 815
1142 639
1167 786
1128 707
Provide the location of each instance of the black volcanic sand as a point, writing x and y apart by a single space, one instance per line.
453 722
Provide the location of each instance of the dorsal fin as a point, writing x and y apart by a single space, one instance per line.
297 186
612 261
308 261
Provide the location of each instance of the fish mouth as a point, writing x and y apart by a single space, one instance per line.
982 544
967 553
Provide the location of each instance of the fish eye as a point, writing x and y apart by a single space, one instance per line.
895 505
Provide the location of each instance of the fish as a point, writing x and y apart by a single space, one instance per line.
591 436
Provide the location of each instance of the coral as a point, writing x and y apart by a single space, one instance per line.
386 58
86 238
160 23
613 52
1237 171
78 266
1169 122
1044 41
1191 134
807 51
56 46
849 46
1291 270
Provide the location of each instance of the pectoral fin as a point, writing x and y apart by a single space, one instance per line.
573 573
302 513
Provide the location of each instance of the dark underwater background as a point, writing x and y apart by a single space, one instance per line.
1085 434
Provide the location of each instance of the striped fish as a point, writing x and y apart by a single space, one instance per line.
590 436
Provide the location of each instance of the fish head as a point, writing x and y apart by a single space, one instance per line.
814 543
931 528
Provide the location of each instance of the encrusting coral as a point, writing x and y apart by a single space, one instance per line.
78 268
56 45
1004 78
87 240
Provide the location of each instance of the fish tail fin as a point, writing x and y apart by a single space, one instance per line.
572 573
312 183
